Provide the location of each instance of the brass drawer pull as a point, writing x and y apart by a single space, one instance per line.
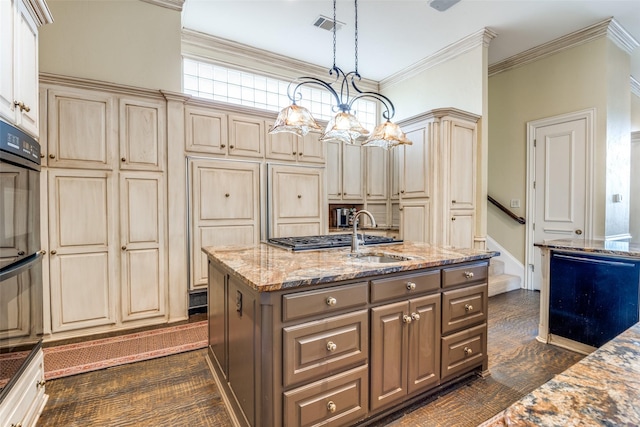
331 346
40 383
468 274
415 316
468 351
406 319
331 407
468 307
411 286
331 301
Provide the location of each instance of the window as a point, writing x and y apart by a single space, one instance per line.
223 84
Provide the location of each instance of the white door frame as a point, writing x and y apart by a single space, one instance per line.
589 115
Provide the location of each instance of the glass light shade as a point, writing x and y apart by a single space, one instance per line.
387 135
344 127
294 119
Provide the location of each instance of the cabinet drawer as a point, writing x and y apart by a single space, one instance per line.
463 350
466 274
335 401
317 349
406 285
323 301
464 307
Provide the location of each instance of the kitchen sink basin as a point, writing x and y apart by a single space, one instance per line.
379 258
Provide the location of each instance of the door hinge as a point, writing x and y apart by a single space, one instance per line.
534 226
534 185
535 142
532 267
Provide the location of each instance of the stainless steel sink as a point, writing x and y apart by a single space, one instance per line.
378 257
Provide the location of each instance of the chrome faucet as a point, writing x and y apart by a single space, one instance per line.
355 243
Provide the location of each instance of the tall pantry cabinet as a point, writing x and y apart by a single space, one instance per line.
434 181
103 173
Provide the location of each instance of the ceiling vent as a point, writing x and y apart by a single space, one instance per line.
327 23
442 5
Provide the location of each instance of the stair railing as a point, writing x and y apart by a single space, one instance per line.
518 219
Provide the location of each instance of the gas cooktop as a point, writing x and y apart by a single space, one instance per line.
326 241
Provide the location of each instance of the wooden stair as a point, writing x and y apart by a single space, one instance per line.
499 282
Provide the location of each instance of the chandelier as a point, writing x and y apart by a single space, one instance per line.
344 127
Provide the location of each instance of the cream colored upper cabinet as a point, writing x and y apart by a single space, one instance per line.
142 134
246 136
377 173
345 172
416 221
82 129
143 283
224 202
205 130
296 201
462 164
82 254
416 170
293 148
19 66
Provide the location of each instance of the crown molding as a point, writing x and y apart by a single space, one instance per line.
39 11
635 86
233 54
439 113
169 4
482 37
84 83
609 28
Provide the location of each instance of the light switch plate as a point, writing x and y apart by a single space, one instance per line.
515 203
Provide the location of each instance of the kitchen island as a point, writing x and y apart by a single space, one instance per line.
590 292
322 336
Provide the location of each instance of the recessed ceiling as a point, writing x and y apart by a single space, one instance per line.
394 34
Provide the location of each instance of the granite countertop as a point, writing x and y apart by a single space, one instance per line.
268 268
603 389
603 247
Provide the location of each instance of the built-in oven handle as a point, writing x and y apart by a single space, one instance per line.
21 266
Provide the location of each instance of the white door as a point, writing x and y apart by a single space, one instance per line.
559 185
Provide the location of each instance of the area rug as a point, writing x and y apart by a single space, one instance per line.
71 359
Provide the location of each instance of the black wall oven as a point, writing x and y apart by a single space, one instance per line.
20 254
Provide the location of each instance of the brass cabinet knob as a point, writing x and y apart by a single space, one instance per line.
299 154
331 346
53 252
21 105
402 191
16 425
124 159
52 156
299 196
411 286
468 274
124 248
226 194
368 194
453 201
415 316
294 153
21 253
468 307
40 383
468 351
578 232
331 301
231 147
223 145
42 155
406 319
331 407
453 218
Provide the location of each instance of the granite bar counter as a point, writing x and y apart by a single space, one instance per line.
603 389
590 292
267 268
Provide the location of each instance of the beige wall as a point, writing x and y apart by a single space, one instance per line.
128 42
571 80
635 113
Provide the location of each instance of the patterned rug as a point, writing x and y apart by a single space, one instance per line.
71 359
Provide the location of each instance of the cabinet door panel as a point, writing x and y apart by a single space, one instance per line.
416 171
334 166
226 193
142 134
206 131
377 173
311 149
461 229
15 296
462 170
352 172
81 131
142 240
26 79
281 146
7 46
415 222
246 136
81 261
388 354
424 343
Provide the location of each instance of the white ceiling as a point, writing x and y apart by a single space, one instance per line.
394 34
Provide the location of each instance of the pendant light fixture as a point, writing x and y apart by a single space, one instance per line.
344 127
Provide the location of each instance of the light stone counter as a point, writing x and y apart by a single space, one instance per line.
603 389
596 247
268 268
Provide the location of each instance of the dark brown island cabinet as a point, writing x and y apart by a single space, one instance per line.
347 352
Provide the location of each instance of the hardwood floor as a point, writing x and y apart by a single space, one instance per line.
179 390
